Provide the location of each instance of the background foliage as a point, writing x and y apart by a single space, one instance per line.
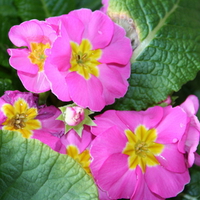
143 91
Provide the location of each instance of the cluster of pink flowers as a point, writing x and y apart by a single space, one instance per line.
84 57
76 55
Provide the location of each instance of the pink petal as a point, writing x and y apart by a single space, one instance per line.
60 55
191 105
197 159
112 53
149 118
50 140
26 32
113 83
116 178
191 144
85 93
106 121
110 142
171 159
72 138
19 60
35 83
141 190
57 82
98 27
73 28
165 183
172 126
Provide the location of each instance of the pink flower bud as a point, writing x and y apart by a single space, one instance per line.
74 115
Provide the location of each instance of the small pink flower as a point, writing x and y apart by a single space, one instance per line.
20 112
74 115
36 37
190 139
90 60
135 154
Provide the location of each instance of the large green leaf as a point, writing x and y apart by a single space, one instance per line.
166 41
41 9
31 170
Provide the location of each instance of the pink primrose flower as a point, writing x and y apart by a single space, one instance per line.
190 139
20 112
90 60
78 147
36 38
135 154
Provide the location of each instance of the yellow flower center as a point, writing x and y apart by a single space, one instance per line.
37 54
82 158
84 60
142 148
20 118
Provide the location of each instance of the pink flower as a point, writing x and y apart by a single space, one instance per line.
190 139
135 154
77 147
89 62
36 37
20 112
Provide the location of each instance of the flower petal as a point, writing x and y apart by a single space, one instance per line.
172 126
171 159
115 177
19 60
85 93
149 118
35 83
114 54
165 183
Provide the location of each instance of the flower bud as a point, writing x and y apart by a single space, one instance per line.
74 115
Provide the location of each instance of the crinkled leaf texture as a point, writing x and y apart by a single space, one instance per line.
166 41
31 170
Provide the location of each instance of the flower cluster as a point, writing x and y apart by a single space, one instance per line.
84 57
74 55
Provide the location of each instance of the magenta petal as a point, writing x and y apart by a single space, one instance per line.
116 178
197 159
165 183
19 60
149 118
100 30
171 159
35 83
72 138
110 142
114 54
49 140
85 93
191 105
98 27
106 121
60 55
57 82
73 28
26 32
142 191
113 83
173 125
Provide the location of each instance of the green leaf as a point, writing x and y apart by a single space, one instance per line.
31 170
41 9
166 42
91 4
5 84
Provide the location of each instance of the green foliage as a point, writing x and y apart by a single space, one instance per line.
31 170
168 52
